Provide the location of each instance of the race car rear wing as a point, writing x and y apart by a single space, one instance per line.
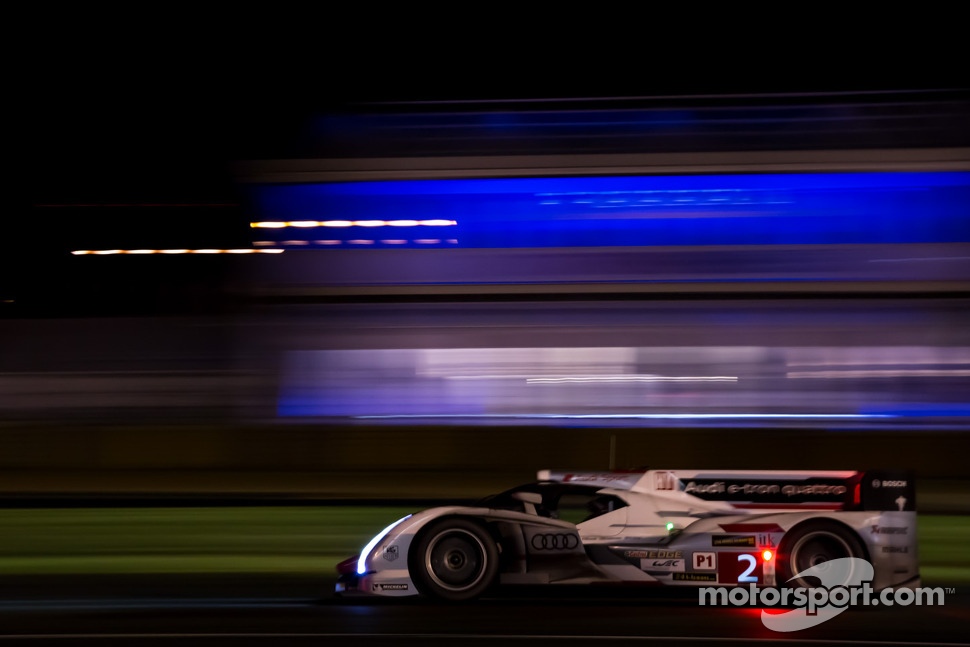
876 489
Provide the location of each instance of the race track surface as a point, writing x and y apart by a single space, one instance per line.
218 610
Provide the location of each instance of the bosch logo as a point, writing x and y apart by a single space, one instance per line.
878 483
555 542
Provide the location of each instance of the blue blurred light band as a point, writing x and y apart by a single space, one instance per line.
694 210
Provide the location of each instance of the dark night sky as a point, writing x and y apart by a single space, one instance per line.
152 106
139 108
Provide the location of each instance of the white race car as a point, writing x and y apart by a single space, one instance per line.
655 527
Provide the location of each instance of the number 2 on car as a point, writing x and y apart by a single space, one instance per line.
740 568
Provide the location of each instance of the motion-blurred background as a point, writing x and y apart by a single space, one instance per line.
401 294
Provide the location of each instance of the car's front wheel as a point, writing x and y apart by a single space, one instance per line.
454 559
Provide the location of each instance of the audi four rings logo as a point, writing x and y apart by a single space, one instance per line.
555 542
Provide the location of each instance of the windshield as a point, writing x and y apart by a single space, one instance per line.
573 503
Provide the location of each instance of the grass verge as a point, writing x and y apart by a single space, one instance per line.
297 540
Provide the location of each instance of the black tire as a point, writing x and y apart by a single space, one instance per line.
454 559
813 544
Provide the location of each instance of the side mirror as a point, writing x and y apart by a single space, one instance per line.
528 497
529 501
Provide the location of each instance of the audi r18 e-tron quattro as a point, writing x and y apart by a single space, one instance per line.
655 527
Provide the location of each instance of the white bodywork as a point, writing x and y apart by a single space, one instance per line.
667 534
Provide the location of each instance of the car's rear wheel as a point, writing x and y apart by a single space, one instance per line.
813 545
454 559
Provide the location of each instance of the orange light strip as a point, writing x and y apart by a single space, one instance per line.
111 252
305 224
